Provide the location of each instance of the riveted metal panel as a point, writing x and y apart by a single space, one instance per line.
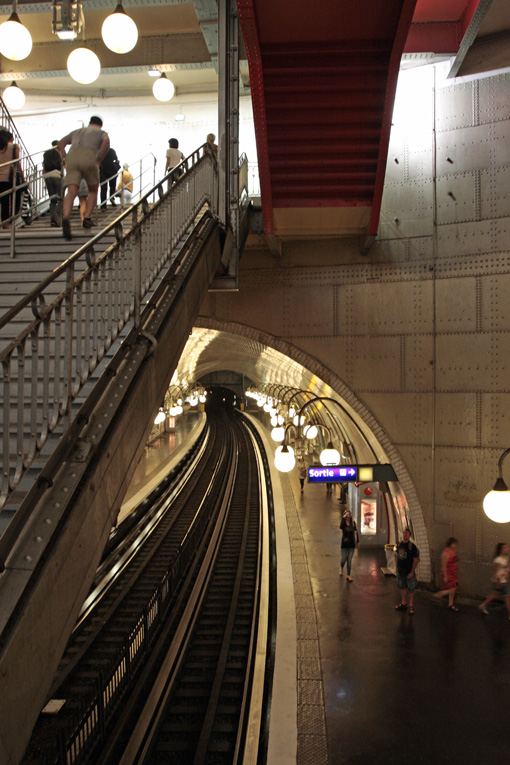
495 196
334 352
494 101
495 302
468 361
407 417
396 163
456 419
454 107
391 308
307 311
495 419
419 163
471 238
456 305
410 200
417 363
418 460
456 198
465 150
460 478
376 363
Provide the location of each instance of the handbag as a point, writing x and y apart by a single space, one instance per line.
26 207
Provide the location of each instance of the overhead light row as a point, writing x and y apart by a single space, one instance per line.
119 33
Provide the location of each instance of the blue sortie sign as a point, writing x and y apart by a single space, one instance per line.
332 474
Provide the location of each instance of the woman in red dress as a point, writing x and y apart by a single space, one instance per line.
449 572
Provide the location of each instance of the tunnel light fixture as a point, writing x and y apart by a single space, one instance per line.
329 455
153 72
278 434
160 417
119 31
284 459
496 503
15 39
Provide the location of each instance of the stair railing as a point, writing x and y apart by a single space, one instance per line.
38 193
46 365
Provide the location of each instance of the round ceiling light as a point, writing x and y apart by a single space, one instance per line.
13 97
119 31
15 39
163 88
83 65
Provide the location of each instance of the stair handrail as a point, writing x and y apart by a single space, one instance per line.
27 162
85 318
39 194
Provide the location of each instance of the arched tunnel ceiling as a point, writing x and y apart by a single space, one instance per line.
210 350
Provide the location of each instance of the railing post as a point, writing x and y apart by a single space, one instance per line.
68 340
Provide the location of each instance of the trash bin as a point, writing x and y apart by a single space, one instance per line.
391 564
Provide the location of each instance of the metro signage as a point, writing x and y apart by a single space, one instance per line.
319 474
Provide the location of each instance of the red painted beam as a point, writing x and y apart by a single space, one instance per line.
248 24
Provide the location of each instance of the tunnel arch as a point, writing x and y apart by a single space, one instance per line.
346 395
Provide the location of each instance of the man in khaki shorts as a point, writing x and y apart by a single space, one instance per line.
88 148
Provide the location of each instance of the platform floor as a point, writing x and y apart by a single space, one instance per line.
428 688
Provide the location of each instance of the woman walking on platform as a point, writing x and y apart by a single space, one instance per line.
350 541
500 574
449 572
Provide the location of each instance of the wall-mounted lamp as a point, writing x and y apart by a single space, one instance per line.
160 417
119 31
15 39
496 503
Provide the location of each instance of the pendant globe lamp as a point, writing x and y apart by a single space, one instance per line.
163 89
284 459
329 455
15 39
119 31
496 503
83 65
13 97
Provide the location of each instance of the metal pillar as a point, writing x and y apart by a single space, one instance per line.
228 121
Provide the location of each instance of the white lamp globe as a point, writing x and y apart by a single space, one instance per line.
119 31
274 420
284 459
496 506
299 420
292 412
201 398
329 456
260 401
15 39
163 88
310 431
267 407
83 65
281 419
278 434
160 417
193 400
13 97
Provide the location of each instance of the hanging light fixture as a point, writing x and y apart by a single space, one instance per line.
15 39
119 31
13 97
329 455
310 431
284 459
278 434
83 65
163 88
496 503
160 417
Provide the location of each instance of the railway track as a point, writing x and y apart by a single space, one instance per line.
162 663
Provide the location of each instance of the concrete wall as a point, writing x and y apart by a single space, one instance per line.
418 329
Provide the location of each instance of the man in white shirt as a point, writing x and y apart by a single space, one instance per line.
88 148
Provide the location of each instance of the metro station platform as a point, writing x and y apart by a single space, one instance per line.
375 685
357 682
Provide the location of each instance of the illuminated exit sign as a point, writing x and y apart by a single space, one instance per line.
331 474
